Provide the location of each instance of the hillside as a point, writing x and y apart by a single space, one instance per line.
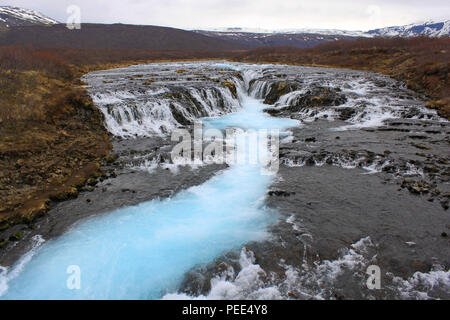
253 39
115 36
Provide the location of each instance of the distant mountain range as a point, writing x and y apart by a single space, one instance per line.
14 16
303 38
25 26
429 28
327 32
254 39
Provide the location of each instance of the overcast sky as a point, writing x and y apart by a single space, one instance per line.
269 14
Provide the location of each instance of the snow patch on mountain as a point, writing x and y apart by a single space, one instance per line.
14 16
290 31
427 28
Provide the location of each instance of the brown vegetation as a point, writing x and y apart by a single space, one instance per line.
114 36
51 137
422 63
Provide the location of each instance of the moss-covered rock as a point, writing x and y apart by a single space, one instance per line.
17 236
3 243
4 226
442 106
278 89
179 116
231 86
91 182
321 97
66 194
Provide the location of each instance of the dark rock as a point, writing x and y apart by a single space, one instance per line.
280 193
277 90
3 243
231 86
4 226
272 111
421 146
431 169
318 97
444 204
346 113
91 182
69 193
310 161
16 237
416 187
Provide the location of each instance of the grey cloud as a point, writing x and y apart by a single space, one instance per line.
344 14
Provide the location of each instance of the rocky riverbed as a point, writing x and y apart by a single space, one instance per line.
363 179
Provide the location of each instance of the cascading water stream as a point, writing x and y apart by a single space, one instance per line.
143 252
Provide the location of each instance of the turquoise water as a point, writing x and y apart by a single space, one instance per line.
142 252
250 117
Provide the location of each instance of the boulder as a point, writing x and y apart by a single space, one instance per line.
319 97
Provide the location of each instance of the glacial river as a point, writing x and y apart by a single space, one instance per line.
142 252
355 146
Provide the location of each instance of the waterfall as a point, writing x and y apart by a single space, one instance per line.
150 107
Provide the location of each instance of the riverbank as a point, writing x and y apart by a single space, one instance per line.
52 141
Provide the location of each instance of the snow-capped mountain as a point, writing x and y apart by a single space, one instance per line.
303 38
428 28
258 39
326 32
14 17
